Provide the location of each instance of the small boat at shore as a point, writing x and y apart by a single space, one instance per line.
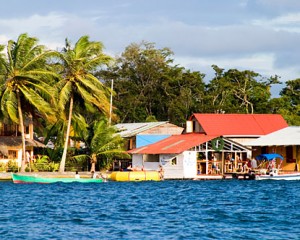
274 175
22 178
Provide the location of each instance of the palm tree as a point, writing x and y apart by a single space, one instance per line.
79 85
24 87
103 143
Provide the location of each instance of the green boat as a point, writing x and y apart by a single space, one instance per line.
19 178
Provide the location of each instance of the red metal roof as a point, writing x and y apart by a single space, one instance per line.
240 124
173 145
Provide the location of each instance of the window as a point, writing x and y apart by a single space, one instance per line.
12 154
174 161
151 158
289 155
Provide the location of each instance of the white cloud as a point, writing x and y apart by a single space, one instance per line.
260 63
289 22
34 22
256 45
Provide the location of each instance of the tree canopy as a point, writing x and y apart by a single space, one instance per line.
24 87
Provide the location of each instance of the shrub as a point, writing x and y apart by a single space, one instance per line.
3 167
43 164
12 166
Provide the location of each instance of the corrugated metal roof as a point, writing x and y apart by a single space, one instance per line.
284 137
17 142
174 145
132 129
240 124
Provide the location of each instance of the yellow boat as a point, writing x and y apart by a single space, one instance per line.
135 176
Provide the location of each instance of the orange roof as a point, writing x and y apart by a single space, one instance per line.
173 145
240 124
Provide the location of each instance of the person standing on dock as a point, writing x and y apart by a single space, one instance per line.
246 167
161 172
253 164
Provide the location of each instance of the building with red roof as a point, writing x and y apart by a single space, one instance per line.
237 127
212 143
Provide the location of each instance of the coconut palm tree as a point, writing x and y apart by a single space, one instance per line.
25 83
79 85
103 143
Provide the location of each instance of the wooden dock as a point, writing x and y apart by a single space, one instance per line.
240 175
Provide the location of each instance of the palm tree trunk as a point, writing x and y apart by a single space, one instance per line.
64 156
23 162
93 162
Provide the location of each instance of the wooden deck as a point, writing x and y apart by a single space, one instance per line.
240 175
211 177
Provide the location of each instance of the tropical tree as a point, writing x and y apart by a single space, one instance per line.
236 91
288 104
147 78
79 86
25 88
103 144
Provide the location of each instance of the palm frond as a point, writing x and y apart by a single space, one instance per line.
11 106
64 95
38 102
101 105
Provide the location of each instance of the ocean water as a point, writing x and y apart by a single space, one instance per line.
225 209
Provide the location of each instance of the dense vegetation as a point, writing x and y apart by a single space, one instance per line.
149 85
67 93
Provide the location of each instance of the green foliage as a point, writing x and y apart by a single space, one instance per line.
146 78
236 91
79 86
103 145
12 166
43 164
148 86
53 154
3 167
25 89
288 104
151 118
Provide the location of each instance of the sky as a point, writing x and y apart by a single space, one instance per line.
258 35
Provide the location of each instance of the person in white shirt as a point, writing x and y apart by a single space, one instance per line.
253 163
77 176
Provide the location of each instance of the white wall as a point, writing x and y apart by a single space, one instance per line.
189 164
172 171
137 160
185 167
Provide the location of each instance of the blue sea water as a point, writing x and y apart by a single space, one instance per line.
225 209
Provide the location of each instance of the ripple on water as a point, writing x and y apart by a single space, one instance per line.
151 210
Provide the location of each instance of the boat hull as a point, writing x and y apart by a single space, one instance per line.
292 176
19 178
135 176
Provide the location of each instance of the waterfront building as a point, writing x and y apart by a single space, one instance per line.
285 142
211 144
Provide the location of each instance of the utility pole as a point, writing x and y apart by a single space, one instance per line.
111 99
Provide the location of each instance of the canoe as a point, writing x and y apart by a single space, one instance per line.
135 176
19 178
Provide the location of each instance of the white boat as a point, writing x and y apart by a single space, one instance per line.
275 175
